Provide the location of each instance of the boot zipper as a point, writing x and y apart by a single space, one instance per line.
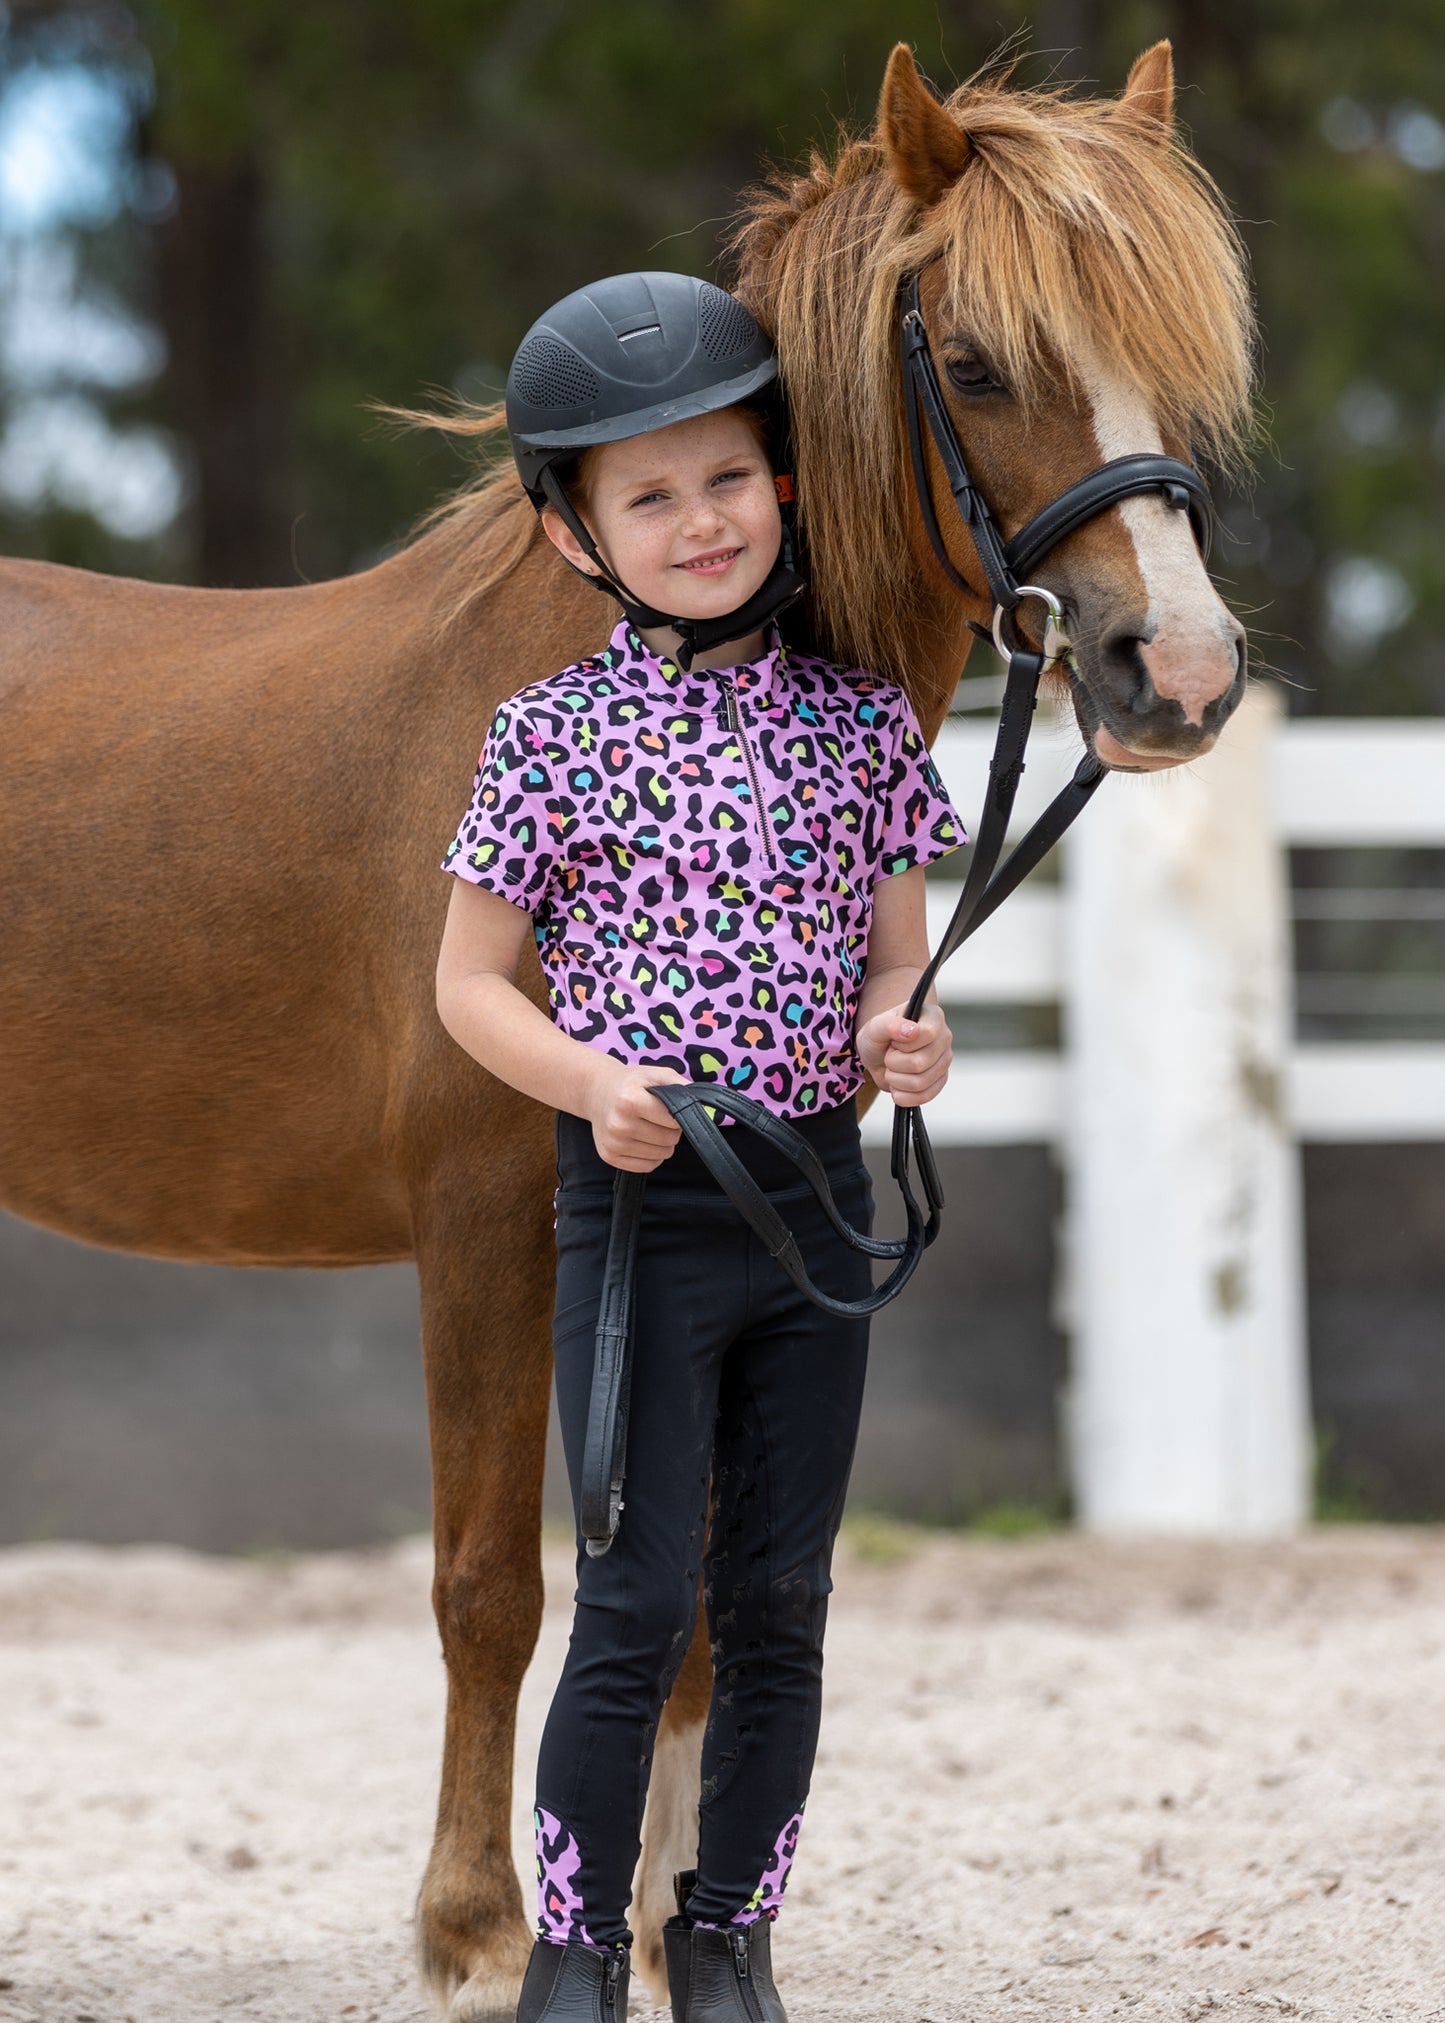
738 1940
611 1975
735 725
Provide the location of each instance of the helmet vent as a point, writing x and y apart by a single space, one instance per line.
547 373
724 325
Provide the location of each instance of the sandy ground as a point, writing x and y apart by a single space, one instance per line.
1056 1780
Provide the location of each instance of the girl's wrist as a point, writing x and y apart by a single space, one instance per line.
598 1072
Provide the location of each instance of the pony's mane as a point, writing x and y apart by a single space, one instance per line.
1074 228
488 524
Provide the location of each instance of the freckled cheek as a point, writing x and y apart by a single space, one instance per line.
643 551
762 528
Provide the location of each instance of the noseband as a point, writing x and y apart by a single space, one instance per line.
1005 565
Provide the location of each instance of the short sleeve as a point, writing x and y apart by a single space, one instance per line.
920 822
505 842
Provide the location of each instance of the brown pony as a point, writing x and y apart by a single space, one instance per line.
223 813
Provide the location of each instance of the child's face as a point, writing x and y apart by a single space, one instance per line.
687 516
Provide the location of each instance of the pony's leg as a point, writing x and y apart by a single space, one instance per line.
669 1822
487 1285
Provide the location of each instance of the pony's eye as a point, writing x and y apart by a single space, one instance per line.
969 374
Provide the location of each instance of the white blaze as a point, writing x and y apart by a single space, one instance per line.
1188 638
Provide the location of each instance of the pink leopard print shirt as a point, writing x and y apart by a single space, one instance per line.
700 895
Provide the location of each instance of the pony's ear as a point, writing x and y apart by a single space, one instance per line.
926 150
1149 93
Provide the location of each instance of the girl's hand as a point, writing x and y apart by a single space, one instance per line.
630 1128
907 1060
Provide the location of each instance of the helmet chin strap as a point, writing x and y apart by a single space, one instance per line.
781 587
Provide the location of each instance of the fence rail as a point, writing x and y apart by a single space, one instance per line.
1332 780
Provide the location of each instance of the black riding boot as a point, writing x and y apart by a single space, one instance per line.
722 1975
574 1984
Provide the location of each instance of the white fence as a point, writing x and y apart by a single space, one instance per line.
1180 1098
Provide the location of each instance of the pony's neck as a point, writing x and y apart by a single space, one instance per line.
942 644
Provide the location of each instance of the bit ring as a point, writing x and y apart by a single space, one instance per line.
1056 640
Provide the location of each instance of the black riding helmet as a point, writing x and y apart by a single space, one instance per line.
618 359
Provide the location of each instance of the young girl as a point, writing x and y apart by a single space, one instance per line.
718 844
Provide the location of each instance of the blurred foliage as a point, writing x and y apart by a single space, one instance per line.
1345 1494
1016 1520
877 1539
350 201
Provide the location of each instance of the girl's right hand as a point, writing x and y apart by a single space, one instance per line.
630 1128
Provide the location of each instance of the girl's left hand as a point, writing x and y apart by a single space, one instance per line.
909 1061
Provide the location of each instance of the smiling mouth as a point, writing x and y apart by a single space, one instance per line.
710 565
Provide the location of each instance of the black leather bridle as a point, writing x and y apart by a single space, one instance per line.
1005 565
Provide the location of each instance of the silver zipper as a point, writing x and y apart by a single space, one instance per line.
751 2002
735 725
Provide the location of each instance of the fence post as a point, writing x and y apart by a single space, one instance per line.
1188 1406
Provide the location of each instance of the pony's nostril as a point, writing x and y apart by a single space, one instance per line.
1121 652
1222 706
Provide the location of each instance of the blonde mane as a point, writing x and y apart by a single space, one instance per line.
1074 229
488 525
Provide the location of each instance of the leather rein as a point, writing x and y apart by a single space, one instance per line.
1005 565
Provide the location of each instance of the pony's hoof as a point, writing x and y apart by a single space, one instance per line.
475 1981
649 1964
487 1996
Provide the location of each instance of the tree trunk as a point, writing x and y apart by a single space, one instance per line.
223 377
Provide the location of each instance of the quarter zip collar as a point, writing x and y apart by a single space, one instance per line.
759 681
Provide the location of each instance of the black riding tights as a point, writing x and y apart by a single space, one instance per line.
740 1381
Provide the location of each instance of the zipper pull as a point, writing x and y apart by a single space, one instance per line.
612 1974
739 1943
